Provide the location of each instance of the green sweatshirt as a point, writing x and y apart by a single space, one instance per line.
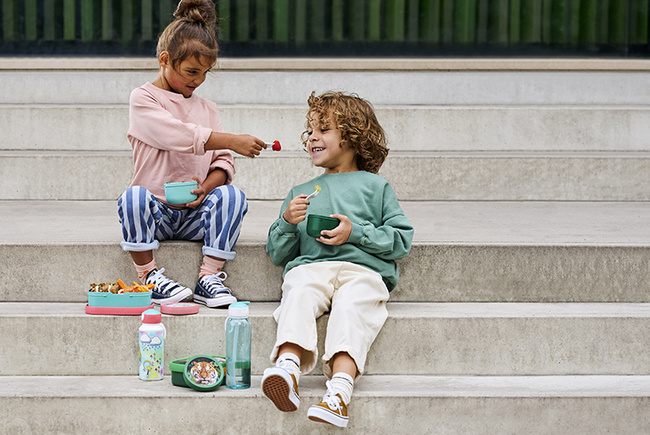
381 233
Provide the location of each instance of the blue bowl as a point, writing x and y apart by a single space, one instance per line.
179 193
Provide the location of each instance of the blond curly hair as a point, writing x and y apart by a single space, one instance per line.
355 119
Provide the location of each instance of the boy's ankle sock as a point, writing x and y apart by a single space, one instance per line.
144 269
344 385
290 362
210 266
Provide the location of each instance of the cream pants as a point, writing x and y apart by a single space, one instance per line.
356 299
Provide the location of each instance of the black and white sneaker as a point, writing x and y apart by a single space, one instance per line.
210 291
166 290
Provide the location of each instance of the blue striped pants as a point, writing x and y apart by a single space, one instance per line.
217 221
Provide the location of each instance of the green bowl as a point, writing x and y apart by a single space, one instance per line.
317 223
177 368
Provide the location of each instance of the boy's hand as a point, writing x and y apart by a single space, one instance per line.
338 235
247 145
296 211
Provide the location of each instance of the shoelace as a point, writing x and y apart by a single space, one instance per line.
158 276
217 278
331 399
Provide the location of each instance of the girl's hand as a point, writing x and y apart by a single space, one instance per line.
247 145
296 211
200 191
338 235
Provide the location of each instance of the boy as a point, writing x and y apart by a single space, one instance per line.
349 270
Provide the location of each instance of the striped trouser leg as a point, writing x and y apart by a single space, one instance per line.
143 218
218 221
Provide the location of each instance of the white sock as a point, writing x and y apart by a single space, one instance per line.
290 362
343 384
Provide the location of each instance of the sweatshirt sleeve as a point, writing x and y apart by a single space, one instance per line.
283 241
392 239
157 127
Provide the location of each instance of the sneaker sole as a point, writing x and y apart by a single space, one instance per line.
181 296
223 301
275 387
321 415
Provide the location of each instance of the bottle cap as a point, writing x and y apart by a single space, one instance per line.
151 316
238 309
203 373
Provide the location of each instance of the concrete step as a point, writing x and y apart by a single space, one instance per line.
381 404
408 128
439 338
381 81
432 176
462 251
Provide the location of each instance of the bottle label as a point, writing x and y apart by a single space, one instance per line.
152 364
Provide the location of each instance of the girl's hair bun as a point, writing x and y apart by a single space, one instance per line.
199 11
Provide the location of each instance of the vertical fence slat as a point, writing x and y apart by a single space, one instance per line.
395 11
167 8
225 19
87 12
447 22
49 21
127 21
146 20
602 22
31 20
430 21
514 24
69 20
300 24
465 21
281 20
374 20
357 20
412 21
107 20
558 16
587 34
261 20
242 20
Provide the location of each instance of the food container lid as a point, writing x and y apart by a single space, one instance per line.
203 373
151 316
179 308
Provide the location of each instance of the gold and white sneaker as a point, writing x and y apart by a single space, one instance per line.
330 410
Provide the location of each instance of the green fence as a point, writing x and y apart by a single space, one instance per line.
337 27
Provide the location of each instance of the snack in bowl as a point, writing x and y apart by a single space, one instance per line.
180 193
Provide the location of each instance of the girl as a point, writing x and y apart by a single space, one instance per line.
177 136
349 270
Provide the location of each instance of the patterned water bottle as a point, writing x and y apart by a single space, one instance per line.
238 346
152 336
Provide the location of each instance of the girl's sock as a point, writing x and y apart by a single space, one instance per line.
210 266
343 384
290 362
144 269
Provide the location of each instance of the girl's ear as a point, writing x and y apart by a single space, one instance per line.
163 59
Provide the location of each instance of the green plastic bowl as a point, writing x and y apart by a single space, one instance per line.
177 368
317 223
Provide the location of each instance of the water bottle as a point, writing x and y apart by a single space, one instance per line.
152 336
238 346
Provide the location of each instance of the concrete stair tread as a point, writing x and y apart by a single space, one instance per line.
399 310
435 222
312 386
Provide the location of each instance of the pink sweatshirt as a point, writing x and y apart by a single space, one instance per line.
168 133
